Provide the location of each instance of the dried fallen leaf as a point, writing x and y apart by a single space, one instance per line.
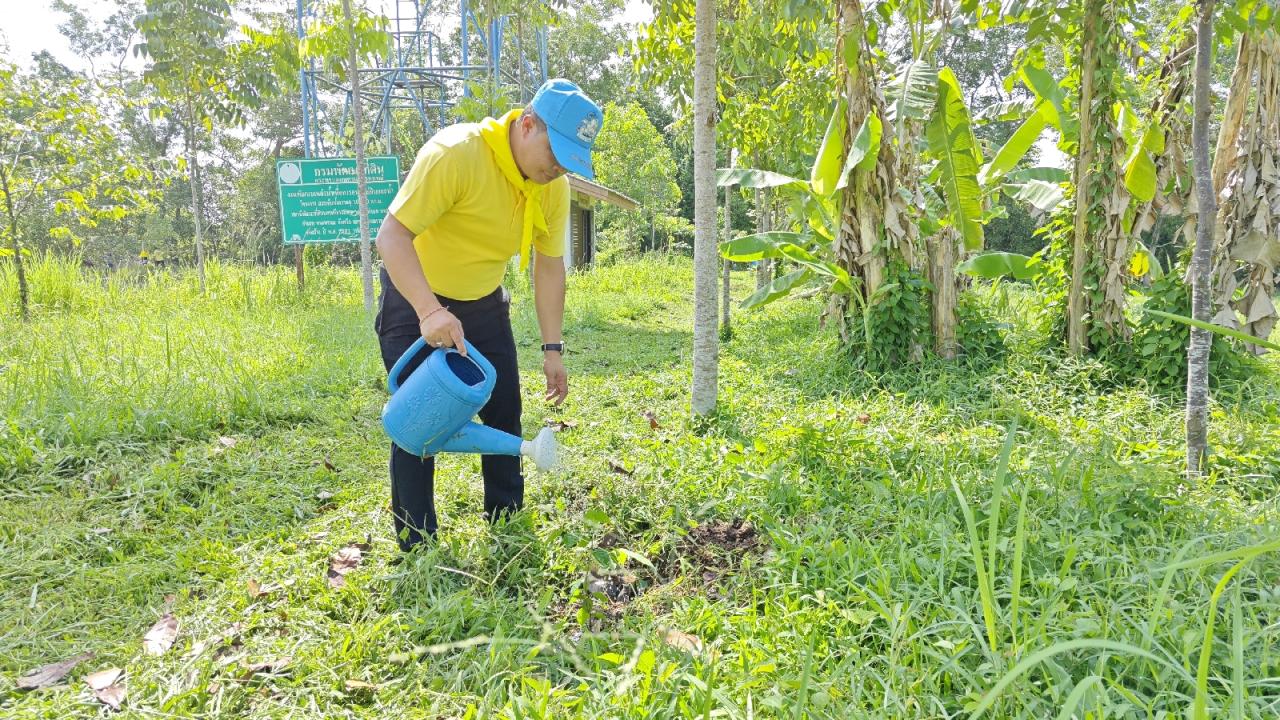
224 444
228 654
111 696
100 531
51 673
103 678
864 418
619 468
105 687
343 562
652 417
269 666
160 637
360 685
561 425
258 590
683 641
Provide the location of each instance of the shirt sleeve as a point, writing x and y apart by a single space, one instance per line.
556 210
432 186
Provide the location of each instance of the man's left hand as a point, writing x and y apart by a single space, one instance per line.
557 378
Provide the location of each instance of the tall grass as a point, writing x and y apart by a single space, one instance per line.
144 357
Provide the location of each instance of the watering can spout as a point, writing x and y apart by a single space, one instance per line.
431 408
542 450
477 438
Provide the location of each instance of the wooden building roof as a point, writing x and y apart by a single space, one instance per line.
602 193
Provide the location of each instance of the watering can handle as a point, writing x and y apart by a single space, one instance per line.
393 377
475 355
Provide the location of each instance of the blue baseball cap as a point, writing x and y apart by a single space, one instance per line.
573 121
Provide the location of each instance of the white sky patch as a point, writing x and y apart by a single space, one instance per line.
1050 155
637 12
30 26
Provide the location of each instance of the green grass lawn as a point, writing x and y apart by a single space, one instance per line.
832 544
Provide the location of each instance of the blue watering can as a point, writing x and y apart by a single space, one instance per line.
430 411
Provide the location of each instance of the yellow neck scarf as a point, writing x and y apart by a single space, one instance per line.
496 135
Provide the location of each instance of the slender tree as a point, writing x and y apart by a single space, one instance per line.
1197 421
632 158
340 38
206 74
362 186
763 269
705 250
1077 331
725 328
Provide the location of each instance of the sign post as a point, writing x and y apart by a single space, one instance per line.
318 197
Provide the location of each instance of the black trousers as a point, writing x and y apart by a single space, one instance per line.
487 325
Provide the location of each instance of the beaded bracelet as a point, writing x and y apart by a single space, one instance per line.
430 313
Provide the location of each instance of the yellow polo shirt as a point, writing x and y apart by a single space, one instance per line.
467 217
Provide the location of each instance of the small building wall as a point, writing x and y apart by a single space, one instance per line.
580 232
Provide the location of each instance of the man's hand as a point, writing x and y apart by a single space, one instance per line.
548 301
441 329
557 378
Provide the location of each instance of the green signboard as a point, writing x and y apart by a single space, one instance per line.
318 200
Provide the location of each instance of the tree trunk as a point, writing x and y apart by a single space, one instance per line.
705 343
942 273
775 219
861 215
197 190
362 187
197 200
491 18
762 226
1197 419
725 327
520 55
24 295
870 232
299 267
1077 336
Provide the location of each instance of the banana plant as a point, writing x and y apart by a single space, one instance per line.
953 194
808 248
951 141
956 185
969 186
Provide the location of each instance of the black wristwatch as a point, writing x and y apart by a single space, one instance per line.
558 347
